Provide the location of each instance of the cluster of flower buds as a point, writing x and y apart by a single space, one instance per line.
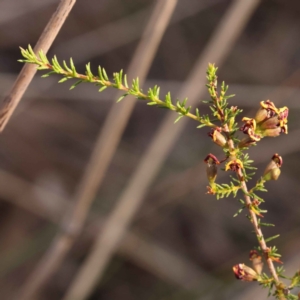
272 170
245 273
269 121
217 136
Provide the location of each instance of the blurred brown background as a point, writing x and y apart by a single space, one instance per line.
182 243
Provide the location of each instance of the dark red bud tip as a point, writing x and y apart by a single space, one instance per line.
254 255
277 159
272 170
211 168
249 124
283 113
217 136
211 159
269 105
245 273
256 259
234 165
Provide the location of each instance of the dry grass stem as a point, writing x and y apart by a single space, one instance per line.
46 39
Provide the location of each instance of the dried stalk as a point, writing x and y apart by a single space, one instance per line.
46 39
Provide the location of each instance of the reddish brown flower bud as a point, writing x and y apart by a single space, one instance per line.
273 132
282 117
283 113
211 167
250 128
266 111
277 159
254 136
269 121
274 121
217 136
246 142
256 259
245 273
272 170
249 123
272 174
210 191
234 165
253 254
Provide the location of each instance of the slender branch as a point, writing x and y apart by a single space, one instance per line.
49 34
104 82
118 222
258 230
152 96
254 221
248 201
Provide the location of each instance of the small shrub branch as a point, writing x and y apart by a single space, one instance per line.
269 121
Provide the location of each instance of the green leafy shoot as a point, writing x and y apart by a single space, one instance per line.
119 81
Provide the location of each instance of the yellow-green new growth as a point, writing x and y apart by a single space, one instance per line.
119 82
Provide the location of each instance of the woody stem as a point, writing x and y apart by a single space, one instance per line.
257 229
253 216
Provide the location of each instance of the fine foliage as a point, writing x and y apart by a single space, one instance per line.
269 121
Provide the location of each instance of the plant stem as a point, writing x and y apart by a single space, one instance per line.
253 216
120 87
257 229
10 102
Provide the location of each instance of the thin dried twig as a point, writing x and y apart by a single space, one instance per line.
102 154
49 34
117 223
